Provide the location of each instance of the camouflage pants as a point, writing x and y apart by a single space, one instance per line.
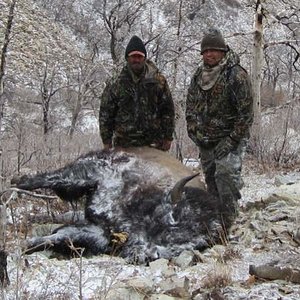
223 176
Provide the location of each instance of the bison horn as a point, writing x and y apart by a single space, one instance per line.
177 190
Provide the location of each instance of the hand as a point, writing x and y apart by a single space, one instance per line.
107 146
165 145
224 147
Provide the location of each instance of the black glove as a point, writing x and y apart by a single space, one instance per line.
165 145
224 147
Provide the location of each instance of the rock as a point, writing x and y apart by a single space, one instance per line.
175 286
291 192
287 193
278 217
159 266
187 258
124 293
286 179
256 225
141 284
214 295
275 272
162 297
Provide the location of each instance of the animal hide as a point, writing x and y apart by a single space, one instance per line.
130 208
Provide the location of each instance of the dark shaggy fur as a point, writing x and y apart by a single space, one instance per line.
124 193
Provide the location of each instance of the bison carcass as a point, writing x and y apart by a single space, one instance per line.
135 195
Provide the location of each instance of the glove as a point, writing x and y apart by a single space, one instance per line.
107 146
165 145
224 147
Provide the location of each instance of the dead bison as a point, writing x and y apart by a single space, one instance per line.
133 198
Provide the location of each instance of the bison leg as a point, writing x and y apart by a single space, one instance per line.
65 239
66 188
70 182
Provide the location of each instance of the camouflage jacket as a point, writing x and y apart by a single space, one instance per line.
137 112
223 110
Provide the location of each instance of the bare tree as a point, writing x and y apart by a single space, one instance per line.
118 16
84 88
271 77
50 84
257 60
280 54
4 280
7 38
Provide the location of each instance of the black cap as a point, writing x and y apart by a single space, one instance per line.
135 44
213 39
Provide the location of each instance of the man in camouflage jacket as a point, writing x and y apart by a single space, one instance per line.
137 108
219 114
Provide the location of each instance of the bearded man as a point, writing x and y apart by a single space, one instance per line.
137 107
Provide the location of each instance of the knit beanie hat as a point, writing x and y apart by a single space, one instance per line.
135 44
213 39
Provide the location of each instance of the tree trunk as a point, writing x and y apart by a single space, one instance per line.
3 255
178 108
75 115
257 61
46 123
6 41
4 280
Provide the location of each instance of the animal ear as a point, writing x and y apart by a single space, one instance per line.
177 190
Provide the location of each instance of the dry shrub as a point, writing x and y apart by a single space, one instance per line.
219 276
227 253
271 97
231 253
275 141
38 154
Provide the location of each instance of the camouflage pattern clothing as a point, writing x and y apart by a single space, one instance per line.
224 110
218 121
223 176
137 111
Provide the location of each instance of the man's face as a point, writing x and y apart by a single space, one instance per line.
136 62
212 57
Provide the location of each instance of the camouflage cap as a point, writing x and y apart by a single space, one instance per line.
213 39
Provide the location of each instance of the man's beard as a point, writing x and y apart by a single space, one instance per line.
137 68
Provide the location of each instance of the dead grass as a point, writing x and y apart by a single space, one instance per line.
219 276
231 253
274 141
